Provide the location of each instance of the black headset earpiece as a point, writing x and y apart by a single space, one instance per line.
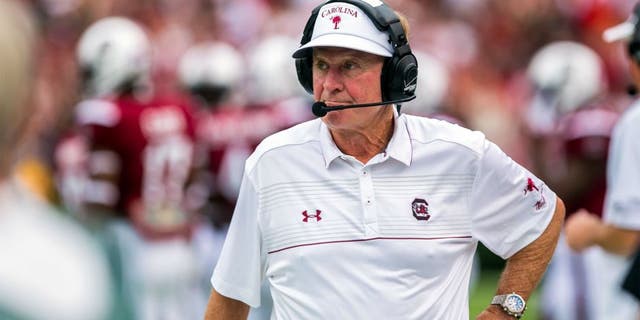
304 64
633 48
305 75
399 77
399 73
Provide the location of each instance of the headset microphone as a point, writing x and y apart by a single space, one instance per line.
320 109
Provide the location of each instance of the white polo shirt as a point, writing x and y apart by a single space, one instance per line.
390 239
622 203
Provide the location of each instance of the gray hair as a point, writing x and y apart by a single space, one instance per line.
17 40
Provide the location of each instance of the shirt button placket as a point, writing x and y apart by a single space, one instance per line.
368 201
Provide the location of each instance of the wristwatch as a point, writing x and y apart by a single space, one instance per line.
513 304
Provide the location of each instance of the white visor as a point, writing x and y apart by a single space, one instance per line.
623 31
344 25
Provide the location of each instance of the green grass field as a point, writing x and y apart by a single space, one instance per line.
485 290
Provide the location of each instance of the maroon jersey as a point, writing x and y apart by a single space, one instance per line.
141 161
230 134
70 160
586 134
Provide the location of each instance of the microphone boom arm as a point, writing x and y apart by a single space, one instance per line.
320 109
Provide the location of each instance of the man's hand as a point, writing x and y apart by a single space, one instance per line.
582 230
494 312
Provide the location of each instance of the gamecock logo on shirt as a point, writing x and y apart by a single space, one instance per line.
532 188
420 209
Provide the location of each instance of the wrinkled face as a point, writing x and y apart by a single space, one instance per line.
343 77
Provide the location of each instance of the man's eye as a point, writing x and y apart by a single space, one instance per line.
321 65
349 65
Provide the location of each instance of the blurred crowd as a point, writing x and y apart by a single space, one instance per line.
534 75
486 46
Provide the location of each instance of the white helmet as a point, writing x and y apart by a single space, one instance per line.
113 51
211 66
570 74
272 71
433 85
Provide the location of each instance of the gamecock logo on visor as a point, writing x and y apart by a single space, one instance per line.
420 209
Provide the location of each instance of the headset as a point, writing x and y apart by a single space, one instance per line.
399 72
633 47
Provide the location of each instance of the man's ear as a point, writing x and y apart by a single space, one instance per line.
634 65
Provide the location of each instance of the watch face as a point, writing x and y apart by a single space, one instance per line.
514 303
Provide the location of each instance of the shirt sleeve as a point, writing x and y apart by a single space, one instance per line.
239 271
510 207
622 204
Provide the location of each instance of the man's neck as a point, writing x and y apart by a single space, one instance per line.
364 144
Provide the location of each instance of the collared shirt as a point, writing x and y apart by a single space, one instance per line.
393 238
622 203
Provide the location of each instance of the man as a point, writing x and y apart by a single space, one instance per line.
51 267
367 213
618 231
228 129
140 167
569 124
575 283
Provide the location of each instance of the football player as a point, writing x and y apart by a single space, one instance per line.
139 166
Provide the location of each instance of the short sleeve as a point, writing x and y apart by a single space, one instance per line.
100 119
510 207
622 204
238 273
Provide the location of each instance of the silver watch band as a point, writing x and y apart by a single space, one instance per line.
499 299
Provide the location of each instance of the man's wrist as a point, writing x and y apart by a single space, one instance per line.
511 304
497 313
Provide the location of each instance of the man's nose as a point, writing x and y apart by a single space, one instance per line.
333 80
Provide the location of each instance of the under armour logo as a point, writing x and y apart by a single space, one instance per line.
308 216
336 20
